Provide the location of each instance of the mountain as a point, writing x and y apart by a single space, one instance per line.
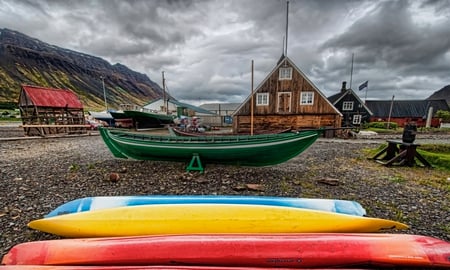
26 60
443 93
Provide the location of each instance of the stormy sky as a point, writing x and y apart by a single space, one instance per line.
205 47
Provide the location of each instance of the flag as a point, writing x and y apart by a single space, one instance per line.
363 85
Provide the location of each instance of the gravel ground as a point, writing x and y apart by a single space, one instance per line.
37 175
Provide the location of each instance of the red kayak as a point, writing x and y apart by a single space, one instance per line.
242 250
152 267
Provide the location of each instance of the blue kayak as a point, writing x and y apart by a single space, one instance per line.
103 202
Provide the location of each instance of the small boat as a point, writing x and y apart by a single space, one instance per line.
104 202
118 115
257 150
146 120
206 218
243 250
104 116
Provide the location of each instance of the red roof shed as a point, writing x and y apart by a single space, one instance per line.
47 111
49 97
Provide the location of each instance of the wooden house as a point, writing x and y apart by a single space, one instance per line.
286 98
422 112
354 111
46 111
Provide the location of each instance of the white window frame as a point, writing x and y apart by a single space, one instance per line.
347 106
285 73
307 98
356 119
262 99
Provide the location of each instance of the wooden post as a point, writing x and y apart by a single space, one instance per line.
165 109
251 102
390 112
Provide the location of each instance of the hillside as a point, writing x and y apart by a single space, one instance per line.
25 60
443 93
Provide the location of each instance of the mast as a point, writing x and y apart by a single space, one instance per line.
287 24
104 92
251 106
164 93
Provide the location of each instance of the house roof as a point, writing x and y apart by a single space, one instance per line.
279 64
220 106
184 105
406 108
51 97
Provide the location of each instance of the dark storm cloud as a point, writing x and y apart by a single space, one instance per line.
394 50
206 47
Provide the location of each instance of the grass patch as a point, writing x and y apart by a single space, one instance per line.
437 155
397 179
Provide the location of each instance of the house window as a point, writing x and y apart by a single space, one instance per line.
347 106
307 98
356 119
262 99
285 73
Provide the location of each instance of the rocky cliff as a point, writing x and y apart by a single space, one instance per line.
25 60
443 93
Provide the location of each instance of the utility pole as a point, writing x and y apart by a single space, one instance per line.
104 92
165 104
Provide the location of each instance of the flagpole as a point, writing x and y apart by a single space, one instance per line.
365 97
351 72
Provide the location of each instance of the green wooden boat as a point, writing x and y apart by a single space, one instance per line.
246 150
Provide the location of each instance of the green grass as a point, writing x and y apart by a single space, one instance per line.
8 120
436 155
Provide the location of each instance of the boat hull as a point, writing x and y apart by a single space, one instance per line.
146 267
231 250
145 120
104 202
206 218
257 150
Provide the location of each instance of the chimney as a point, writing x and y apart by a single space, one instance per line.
344 87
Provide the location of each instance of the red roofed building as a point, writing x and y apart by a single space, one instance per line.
50 111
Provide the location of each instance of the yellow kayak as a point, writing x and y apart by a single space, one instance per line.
206 218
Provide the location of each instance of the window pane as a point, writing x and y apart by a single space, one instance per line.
262 99
347 106
307 98
285 73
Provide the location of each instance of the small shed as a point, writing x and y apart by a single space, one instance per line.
46 111
286 99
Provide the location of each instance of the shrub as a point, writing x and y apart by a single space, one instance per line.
444 115
383 125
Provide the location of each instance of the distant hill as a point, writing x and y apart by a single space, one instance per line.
25 60
443 93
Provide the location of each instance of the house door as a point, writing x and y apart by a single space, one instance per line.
284 102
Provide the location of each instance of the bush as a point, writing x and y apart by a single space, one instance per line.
445 115
383 125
